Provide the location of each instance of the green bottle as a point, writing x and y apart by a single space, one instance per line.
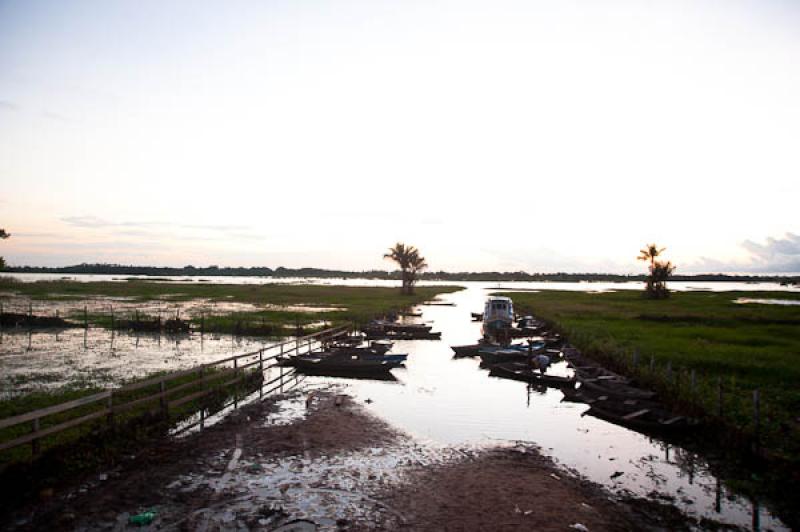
142 519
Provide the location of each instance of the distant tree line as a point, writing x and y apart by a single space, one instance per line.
281 272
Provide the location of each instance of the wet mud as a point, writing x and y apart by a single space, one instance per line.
320 461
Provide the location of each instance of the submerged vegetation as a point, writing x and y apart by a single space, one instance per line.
696 347
269 309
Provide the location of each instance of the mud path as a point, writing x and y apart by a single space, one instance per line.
319 461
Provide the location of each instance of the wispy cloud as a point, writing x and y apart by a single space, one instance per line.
94 222
50 115
5 105
157 229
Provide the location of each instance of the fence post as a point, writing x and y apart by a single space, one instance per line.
110 404
236 374
202 323
204 387
261 370
719 396
35 443
669 372
757 416
164 403
85 317
652 363
636 359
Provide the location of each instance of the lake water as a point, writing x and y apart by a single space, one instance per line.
440 400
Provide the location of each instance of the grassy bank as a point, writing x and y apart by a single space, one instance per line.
82 450
743 347
277 308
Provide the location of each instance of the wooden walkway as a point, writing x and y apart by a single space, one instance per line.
170 391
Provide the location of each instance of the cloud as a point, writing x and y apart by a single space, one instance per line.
781 255
94 222
155 230
5 105
50 115
777 255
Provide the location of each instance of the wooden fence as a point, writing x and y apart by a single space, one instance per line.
167 393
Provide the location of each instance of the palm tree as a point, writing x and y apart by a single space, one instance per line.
656 284
3 236
649 253
416 264
410 262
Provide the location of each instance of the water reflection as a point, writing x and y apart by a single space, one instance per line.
40 359
453 401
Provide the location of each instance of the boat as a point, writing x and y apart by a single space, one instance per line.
470 350
495 354
406 335
348 363
338 354
477 316
498 318
612 386
521 371
490 357
649 418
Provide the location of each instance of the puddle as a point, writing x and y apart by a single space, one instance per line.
40 360
326 489
747 301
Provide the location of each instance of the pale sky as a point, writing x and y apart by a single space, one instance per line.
496 135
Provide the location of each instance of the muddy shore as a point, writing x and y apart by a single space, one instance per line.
320 458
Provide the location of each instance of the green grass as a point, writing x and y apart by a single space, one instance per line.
748 347
358 304
43 399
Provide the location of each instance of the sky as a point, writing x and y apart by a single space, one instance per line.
492 135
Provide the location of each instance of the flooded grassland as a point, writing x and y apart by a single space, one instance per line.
443 422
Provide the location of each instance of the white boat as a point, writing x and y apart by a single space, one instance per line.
498 318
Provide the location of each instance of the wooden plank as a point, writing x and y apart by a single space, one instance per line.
130 404
55 409
52 430
202 380
672 420
190 397
636 414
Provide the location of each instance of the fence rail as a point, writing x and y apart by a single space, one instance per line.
263 358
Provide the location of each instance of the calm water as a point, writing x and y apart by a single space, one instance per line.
438 399
453 402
